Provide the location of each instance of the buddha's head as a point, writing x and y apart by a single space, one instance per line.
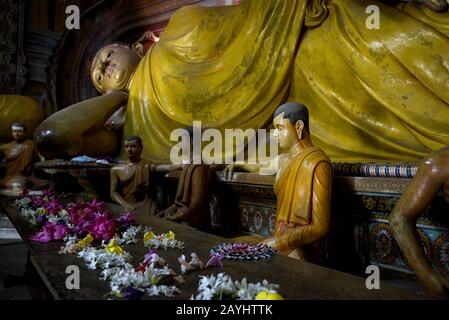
18 131
113 67
291 123
133 147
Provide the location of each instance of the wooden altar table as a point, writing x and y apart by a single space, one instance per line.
297 279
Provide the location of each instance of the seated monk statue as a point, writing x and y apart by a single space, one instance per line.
232 66
20 156
302 186
192 200
130 181
431 177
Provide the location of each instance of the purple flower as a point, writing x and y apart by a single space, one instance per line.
103 227
133 294
149 256
50 232
41 218
82 212
45 235
37 201
215 260
96 205
60 231
53 206
48 193
125 220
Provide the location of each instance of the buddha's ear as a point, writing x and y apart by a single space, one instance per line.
138 47
299 126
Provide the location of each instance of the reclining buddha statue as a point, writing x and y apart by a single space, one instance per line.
373 93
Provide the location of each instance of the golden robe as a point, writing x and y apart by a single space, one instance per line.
303 193
372 94
18 109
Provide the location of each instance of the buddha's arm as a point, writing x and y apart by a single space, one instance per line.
115 194
299 236
410 206
164 168
73 128
264 168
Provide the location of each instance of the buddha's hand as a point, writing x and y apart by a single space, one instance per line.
271 242
436 285
283 228
228 172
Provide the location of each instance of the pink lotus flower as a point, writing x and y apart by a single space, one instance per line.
50 232
37 201
52 206
103 227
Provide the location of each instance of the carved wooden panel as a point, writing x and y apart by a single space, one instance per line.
12 69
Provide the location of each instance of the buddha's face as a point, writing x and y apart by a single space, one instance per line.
285 132
18 134
113 67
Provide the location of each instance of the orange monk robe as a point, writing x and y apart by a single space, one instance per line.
134 184
303 194
20 157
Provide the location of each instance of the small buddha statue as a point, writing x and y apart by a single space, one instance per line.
193 195
302 187
130 181
431 177
20 155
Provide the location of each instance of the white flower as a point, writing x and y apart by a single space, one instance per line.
164 243
129 236
168 291
212 286
64 216
70 245
100 258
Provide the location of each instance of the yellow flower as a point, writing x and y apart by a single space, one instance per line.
148 236
86 241
112 247
171 235
268 295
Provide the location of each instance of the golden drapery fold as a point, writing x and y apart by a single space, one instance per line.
22 109
375 94
316 13
372 94
228 67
